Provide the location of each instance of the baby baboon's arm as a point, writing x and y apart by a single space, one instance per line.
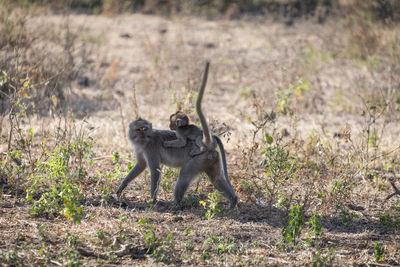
180 142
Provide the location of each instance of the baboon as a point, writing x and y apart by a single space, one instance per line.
150 152
184 131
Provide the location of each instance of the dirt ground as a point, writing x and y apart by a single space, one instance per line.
143 65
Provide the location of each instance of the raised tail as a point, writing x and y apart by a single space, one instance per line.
203 121
223 156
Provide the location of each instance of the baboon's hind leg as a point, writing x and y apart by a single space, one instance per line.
187 175
216 175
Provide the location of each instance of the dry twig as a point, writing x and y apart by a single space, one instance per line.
396 191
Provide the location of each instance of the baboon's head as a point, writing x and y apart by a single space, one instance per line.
178 119
140 131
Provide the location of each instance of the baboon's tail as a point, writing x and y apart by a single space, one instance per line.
203 121
221 147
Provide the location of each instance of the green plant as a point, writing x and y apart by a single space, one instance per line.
211 205
161 249
339 194
320 260
44 250
72 240
151 240
105 193
123 217
105 182
390 221
188 245
296 223
170 176
255 244
341 190
206 255
116 158
101 235
345 215
71 258
280 165
165 252
64 197
222 244
188 231
379 251
285 96
10 257
56 179
315 222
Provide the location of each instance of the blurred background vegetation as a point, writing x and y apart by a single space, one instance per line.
385 10
23 53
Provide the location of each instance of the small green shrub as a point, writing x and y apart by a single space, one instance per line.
345 215
11 257
222 244
379 251
280 165
390 221
64 198
321 260
151 240
296 223
71 239
63 194
286 97
315 222
165 252
206 255
211 205
170 176
188 245
71 258
56 179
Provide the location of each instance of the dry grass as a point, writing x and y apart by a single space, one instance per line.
312 111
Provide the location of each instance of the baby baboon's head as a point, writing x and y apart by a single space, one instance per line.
178 119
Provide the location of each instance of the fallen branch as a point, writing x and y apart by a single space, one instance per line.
128 249
396 191
88 253
136 251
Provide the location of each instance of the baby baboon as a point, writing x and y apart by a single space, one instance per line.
179 123
150 152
